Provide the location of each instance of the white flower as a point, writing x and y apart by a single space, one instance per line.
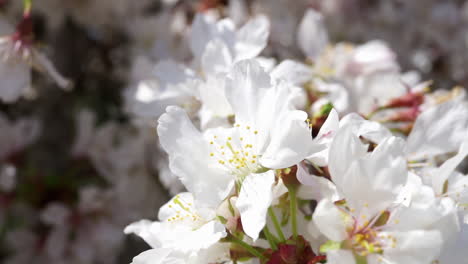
293 72
238 11
156 256
216 108
312 35
447 182
438 130
455 251
218 46
369 74
371 57
371 224
268 134
245 43
156 87
15 74
215 254
369 130
17 57
183 228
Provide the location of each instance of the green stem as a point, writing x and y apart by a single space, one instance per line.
270 237
318 168
271 213
293 210
375 111
247 247
27 6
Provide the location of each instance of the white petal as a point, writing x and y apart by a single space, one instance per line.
330 220
418 247
200 34
458 189
291 142
381 174
225 30
340 257
15 77
217 253
370 130
345 148
201 238
244 89
213 97
169 72
43 63
278 190
389 148
292 71
372 57
442 173
252 38
189 158
438 130
312 36
373 90
325 137
144 229
336 93
426 212
314 187
238 11
455 251
274 104
156 256
204 29
150 101
177 235
216 58
267 63
254 199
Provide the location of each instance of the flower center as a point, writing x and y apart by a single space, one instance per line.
364 238
366 242
237 151
183 210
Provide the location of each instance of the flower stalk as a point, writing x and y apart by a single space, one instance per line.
277 225
272 240
246 246
293 209
27 6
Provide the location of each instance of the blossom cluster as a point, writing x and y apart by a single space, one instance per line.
277 143
342 159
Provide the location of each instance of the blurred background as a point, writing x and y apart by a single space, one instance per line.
78 166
